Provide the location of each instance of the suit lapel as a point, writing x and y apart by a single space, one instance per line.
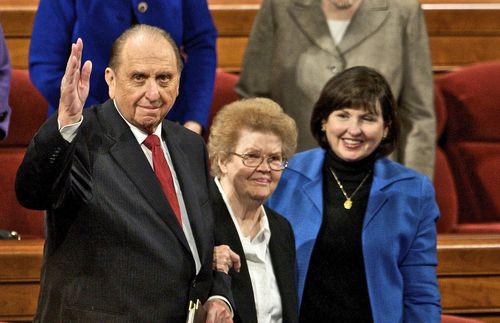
384 175
314 191
226 233
281 262
197 221
370 15
128 155
306 15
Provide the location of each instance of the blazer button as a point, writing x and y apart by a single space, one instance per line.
142 7
194 283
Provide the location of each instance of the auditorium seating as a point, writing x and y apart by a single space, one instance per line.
457 319
460 31
29 111
224 93
468 157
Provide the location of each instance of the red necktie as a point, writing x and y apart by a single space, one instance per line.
162 172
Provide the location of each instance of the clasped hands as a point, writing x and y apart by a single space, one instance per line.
223 260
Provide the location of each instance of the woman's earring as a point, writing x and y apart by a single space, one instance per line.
323 128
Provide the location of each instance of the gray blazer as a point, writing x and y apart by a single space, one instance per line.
291 55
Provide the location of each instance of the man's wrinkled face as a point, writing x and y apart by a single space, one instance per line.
146 82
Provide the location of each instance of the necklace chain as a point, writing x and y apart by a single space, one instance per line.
348 199
342 4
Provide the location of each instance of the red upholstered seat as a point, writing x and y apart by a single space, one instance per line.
29 111
446 193
224 93
468 156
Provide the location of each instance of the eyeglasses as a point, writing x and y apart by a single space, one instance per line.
275 162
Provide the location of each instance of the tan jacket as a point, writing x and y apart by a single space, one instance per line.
291 55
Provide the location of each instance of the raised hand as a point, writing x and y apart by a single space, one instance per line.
75 86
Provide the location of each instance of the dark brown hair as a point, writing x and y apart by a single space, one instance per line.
358 87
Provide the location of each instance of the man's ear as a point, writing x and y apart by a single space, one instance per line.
110 77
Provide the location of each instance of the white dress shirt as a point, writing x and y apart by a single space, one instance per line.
260 267
337 29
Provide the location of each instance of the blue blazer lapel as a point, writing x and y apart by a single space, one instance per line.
383 176
314 192
312 178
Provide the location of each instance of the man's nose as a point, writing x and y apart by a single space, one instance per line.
152 90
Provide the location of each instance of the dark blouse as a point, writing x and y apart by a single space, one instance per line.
335 288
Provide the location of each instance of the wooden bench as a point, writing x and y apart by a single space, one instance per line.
461 32
20 263
468 275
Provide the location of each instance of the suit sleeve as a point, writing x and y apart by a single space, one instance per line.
199 40
255 78
53 171
421 293
416 105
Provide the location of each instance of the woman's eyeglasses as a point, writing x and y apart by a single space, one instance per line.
275 162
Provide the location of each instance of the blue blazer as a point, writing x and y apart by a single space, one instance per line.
58 23
398 237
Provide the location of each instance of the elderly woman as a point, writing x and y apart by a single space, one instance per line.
364 225
249 144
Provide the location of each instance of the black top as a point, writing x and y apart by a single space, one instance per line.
282 249
335 289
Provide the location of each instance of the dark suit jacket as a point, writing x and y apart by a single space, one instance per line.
114 250
282 248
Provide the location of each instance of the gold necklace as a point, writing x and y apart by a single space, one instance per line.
342 5
348 199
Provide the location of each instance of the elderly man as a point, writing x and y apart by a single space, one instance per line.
129 227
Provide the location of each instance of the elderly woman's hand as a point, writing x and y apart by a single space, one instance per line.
225 259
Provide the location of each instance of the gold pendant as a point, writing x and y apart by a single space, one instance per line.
348 204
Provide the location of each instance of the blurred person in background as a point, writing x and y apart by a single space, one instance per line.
58 24
5 76
296 46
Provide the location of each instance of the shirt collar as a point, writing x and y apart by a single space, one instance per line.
139 134
264 234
